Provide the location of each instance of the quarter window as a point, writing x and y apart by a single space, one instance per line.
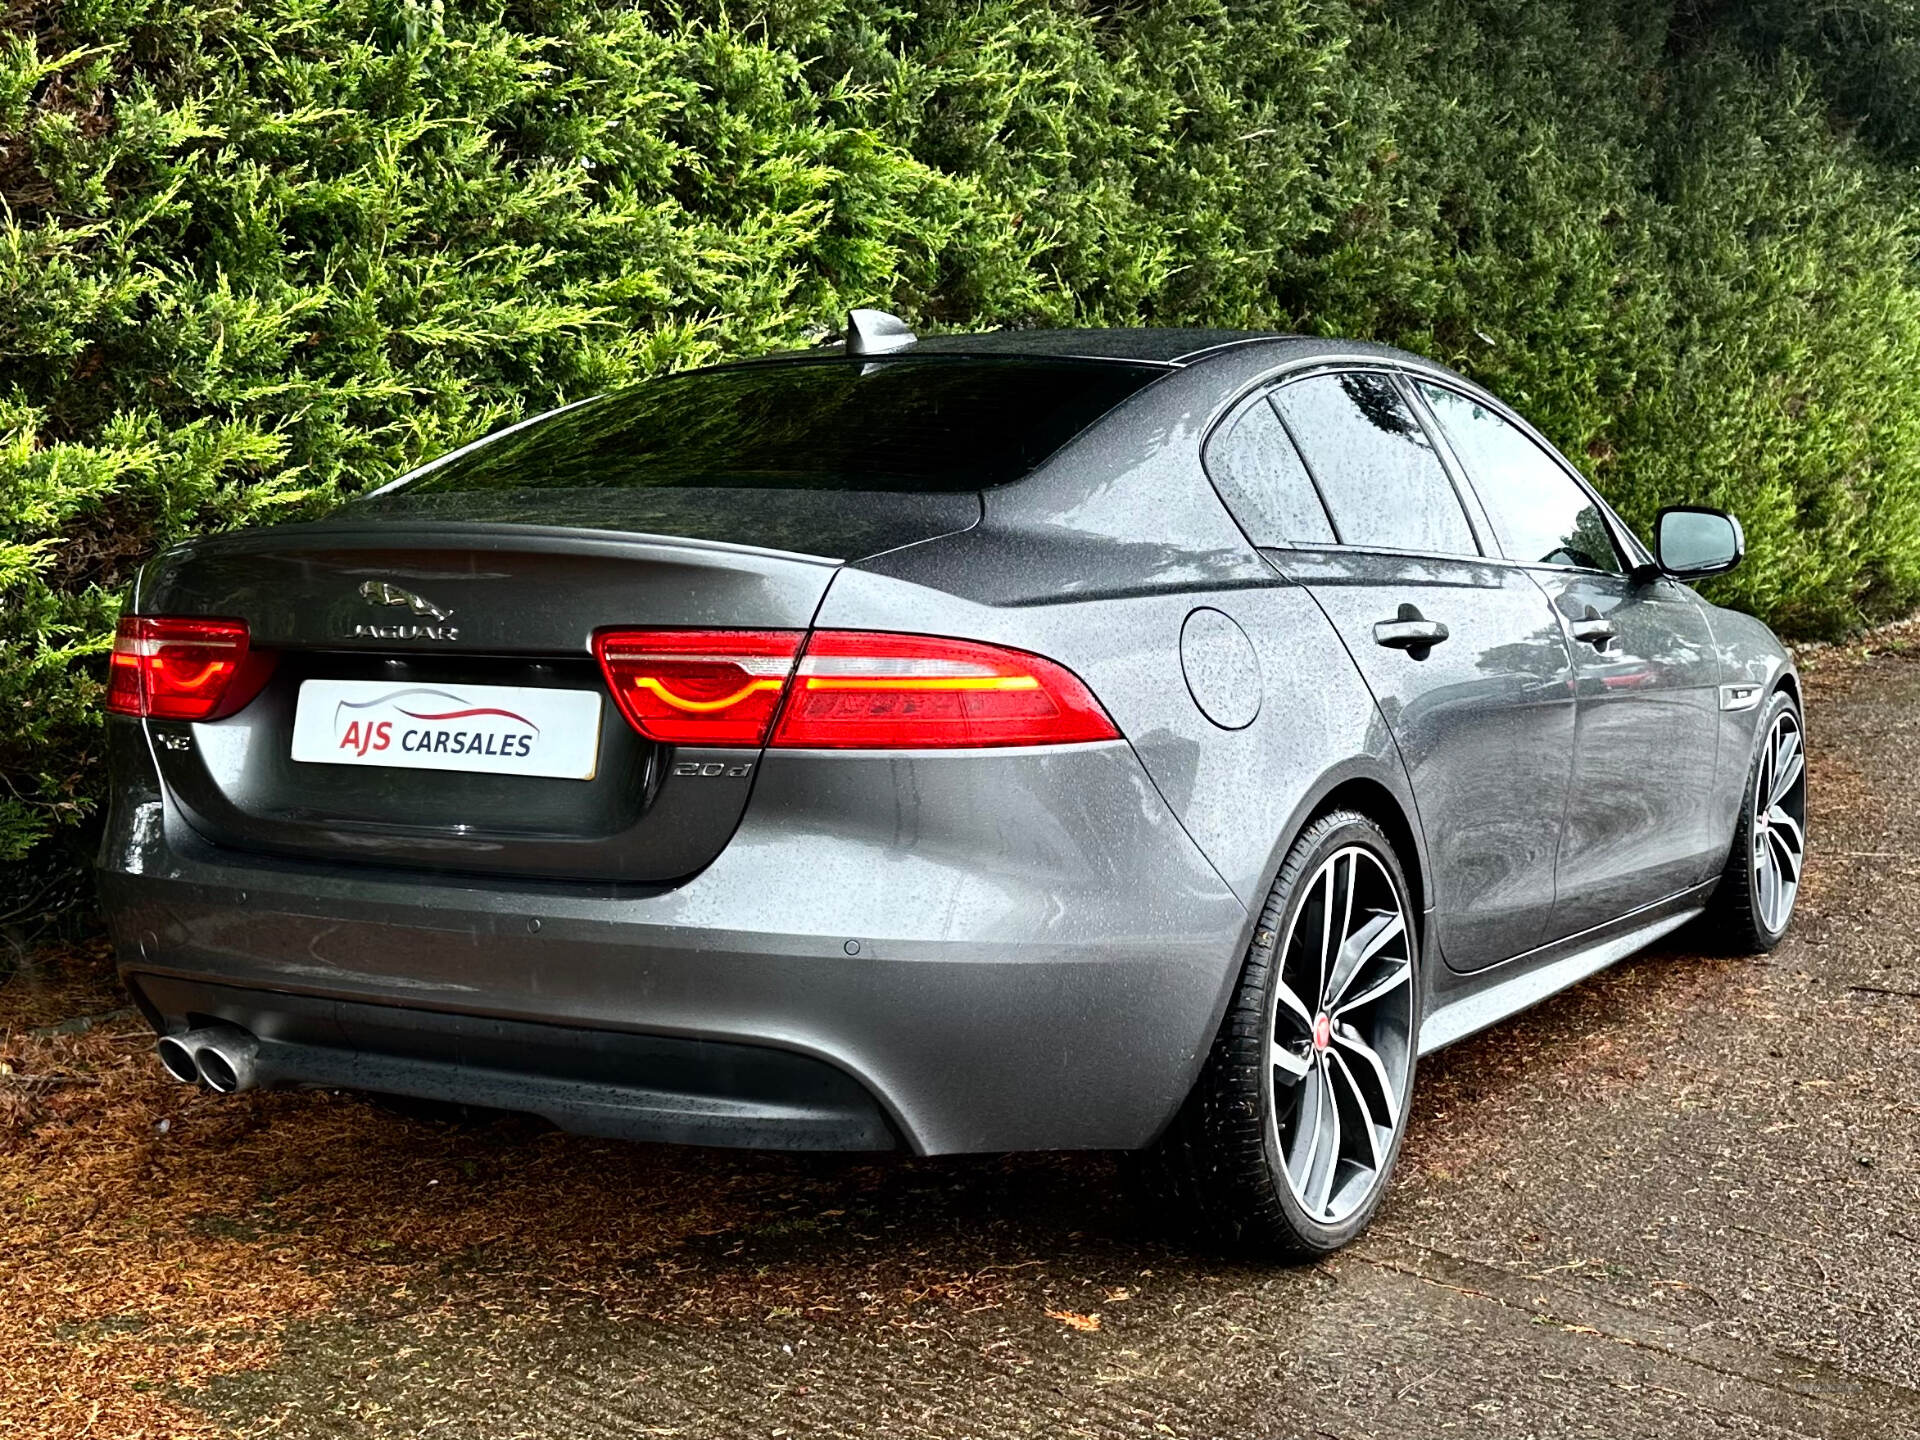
1383 483
1259 475
1540 514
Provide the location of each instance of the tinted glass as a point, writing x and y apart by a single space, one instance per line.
1377 469
1540 514
1259 475
912 425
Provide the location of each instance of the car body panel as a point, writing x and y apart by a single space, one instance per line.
1460 1003
1753 664
505 589
1010 581
1640 818
1485 726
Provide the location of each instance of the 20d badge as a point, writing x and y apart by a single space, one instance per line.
713 769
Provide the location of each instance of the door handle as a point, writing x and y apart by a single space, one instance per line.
1409 631
1594 628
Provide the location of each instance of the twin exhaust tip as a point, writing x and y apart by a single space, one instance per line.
221 1057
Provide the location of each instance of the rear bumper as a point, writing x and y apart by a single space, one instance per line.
970 951
592 1082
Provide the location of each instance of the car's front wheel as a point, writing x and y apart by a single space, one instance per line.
1750 909
1293 1128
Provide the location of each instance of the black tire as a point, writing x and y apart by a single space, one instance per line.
1736 921
1220 1164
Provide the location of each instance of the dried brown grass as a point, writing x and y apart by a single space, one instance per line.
156 1236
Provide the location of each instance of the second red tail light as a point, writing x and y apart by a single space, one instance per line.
850 689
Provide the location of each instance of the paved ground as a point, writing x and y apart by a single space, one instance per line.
1681 1200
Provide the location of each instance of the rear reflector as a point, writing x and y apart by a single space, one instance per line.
183 668
850 690
698 687
868 691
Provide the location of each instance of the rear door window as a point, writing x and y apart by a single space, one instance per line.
1260 476
1538 511
1383 482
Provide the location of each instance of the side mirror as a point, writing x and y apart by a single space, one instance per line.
1693 541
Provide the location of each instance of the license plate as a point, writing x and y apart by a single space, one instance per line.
484 729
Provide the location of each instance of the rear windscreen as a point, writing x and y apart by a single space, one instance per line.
908 424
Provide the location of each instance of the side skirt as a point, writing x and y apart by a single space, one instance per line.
1524 981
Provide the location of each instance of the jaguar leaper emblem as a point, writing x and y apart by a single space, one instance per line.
379 592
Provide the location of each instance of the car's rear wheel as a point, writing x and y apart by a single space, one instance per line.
1292 1130
1752 907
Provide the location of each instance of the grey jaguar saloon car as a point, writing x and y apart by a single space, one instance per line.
1148 740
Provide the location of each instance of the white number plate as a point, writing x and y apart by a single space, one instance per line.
489 729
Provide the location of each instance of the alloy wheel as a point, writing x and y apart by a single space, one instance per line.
1340 1035
1779 822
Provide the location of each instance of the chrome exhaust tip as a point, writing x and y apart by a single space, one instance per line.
225 1059
176 1056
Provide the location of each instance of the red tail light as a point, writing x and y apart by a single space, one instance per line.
183 669
698 687
851 690
863 690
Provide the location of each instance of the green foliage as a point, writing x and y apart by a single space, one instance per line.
1864 54
258 257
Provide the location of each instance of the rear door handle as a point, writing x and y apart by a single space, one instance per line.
1410 631
1595 629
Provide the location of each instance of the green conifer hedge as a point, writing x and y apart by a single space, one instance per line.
257 255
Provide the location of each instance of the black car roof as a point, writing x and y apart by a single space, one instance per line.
1167 346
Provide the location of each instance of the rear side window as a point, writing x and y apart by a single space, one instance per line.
924 425
1259 475
1383 483
1540 515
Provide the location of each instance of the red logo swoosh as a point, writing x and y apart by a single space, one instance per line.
463 714
393 696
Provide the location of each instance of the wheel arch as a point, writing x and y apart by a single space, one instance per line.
1789 681
1375 786
1369 797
